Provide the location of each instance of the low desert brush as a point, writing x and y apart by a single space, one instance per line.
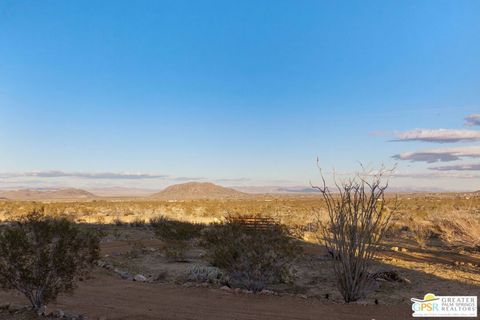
253 257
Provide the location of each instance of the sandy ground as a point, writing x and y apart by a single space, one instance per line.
108 296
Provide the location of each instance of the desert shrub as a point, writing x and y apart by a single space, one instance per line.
357 221
175 250
138 223
252 257
118 222
204 274
136 250
42 257
169 230
176 235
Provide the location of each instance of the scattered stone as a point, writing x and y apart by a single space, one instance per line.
403 250
406 280
15 308
389 276
59 314
225 288
266 292
189 284
139 278
101 263
394 249
125 275
42 311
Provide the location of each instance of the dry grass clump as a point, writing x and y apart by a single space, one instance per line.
458 229
422 233
204 274
253 256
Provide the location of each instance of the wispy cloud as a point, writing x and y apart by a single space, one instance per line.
84 175
472 120
436 175
440 155
458 167
439 135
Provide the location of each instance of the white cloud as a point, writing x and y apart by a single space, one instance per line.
439 135
472 120
440 155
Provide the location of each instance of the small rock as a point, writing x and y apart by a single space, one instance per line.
101 263
403 250
189 284
266 292
139 278
245 291
225 288
125 275
59 314
394 248
14 308
42 311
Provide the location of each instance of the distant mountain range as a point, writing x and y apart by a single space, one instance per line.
46 194
184 191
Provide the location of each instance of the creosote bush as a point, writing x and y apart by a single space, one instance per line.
168 229
176 235
357 221
42 256
253 257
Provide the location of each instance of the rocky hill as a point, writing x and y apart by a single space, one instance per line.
198 190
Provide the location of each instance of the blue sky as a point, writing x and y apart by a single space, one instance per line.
238 92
